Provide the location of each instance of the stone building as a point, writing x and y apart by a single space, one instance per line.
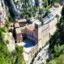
45 32
36 33
31 32
18 35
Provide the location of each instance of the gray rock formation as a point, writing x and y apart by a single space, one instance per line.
3 12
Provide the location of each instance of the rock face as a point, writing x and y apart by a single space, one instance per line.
12 8
16 7
25 3
3 12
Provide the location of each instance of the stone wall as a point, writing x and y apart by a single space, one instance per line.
45 31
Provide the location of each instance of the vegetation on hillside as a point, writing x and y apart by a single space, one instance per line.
4 53
56 0
59 60
15 57
19 55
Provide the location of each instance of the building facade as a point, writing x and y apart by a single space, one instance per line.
45 32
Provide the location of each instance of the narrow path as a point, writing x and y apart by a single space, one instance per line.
41 56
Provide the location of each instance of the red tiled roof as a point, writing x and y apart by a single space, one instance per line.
30 27
20 20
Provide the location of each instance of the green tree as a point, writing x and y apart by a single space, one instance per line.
2 30
2 60
59 60
57 1
19 55
4 54
5 57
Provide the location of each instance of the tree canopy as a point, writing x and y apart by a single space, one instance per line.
15 57
59 60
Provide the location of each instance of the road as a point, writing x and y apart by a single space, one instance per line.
42 55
